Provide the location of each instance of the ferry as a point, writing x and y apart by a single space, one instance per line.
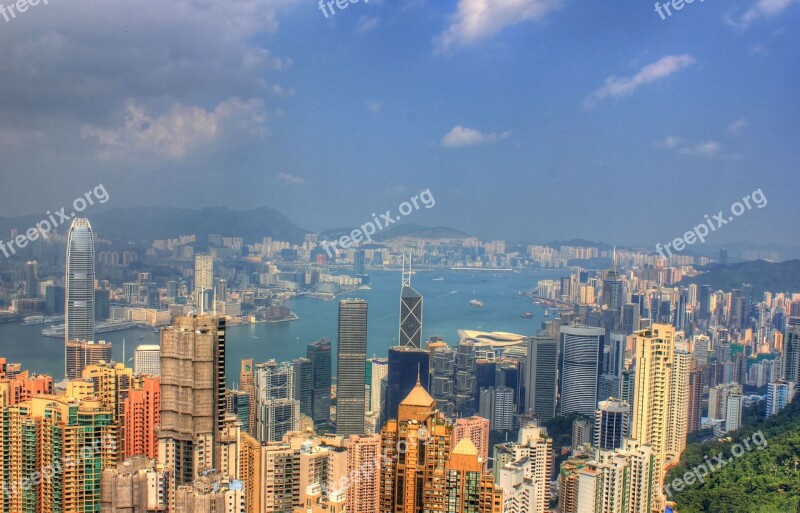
527 315
476 303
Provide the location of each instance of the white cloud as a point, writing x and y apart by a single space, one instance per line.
279 90
367 23
623 86
290 179
669 141
179 131
374 106
707 149
760 9
737 126
462 136
477 20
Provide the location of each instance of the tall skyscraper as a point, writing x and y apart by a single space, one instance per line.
410 313
142 409
351 368
580 368
359 262
31 280
304 385
791 352
540 388
379 369
612 288
406 364
496 404
79 311
319 353
192 395
695 408
247 385
532 455
655 355
277 409
203 279
679 401
611 424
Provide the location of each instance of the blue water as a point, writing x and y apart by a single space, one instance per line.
446 309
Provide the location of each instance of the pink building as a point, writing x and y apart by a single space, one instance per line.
477 430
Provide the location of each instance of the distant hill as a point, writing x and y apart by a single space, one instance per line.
762 275
150 223
420 232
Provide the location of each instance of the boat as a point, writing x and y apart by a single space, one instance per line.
140 338
476 303
526 315
438 279
546 312
156 330
34 319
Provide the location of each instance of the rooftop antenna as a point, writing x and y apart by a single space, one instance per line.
614 259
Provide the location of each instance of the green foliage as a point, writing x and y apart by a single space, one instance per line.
765 480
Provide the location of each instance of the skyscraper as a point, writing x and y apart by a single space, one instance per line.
79 311
203 279
141 419
791 352
406 364
304 385
379 369
248 386
540 388
31 280
351 368
192 395
611 424
410 314
319 353
655 354
277 409
580 365
147 359
82 353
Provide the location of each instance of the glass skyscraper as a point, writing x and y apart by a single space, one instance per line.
351 370
79 317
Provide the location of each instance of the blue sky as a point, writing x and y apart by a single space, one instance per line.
527 119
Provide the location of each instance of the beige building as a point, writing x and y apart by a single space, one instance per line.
476 429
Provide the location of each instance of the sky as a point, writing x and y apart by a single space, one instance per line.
527 120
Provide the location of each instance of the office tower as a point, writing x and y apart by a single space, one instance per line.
442 379
102 304
779 395
74 440
533 453
31 280
203 279
630 318
54 299
465 385
655 355
612 288
679 400
192 395
540 383
477 430
695 407
723 256
147 359
79 311
247 385
413 481
319 353
740 368
681 318
406 365
142 409
359 262
580 368
379 369
304 386
410 313
496 404
351 369
277 410
81 353
611 424
485 375
704 302
237 403
468 488
790 356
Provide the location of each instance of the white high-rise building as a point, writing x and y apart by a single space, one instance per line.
277 410
147 359
533 453
380 369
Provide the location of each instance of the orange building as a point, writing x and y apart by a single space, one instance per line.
141 418
468 485
21 387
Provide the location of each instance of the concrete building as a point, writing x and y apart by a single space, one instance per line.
142 410
779 395
497 405
147 359
277 411
136 485
80 353
533 452
540 377
352 360
477 430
